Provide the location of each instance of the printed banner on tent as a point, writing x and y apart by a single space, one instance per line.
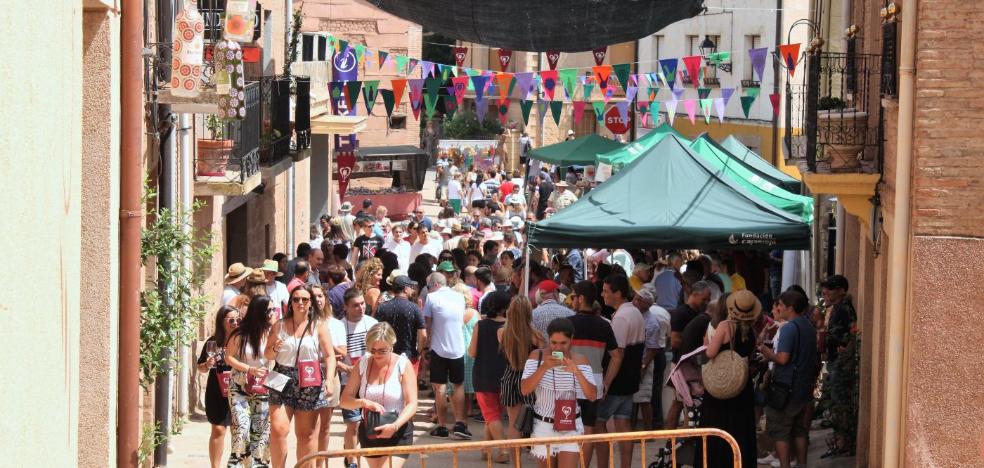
553 57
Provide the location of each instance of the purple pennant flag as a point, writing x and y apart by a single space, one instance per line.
481 106
480 82
677 94
416 90
726 94
758 61
426 69
719 108
524 81
630 93
623 110
451 91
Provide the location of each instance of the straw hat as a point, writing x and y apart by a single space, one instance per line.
256 276
237 271
392 276
744 306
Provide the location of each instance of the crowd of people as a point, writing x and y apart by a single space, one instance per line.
371 313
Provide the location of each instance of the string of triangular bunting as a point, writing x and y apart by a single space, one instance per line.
613 81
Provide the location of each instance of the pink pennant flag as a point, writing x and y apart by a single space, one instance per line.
416 90
460 84
578 107
671 107
719 108
693 67
691 106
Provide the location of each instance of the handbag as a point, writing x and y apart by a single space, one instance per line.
373 419
524 424
309 370
778 394
725 375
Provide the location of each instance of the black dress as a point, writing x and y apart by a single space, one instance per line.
490 363
735 416
216 405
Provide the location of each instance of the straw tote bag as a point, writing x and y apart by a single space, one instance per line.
725 376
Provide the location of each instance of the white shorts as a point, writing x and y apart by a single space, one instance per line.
545 429
645 393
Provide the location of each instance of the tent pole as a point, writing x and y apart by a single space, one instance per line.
526 270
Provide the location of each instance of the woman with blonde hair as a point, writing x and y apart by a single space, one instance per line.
516 340
385 389
367 279
337 329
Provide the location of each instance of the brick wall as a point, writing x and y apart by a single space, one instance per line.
948 193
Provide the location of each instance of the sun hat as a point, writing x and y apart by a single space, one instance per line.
392 276
256 276
237 271
446 267
744 306
646 295
271 266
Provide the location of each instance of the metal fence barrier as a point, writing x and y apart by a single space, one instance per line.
516 446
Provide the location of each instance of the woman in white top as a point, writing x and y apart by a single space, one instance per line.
337 330
477 192
559 378
455 193
302 347
248 398
385 387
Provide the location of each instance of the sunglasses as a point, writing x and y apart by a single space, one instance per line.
300 300
234 321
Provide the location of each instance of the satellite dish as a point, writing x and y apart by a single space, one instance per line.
538 26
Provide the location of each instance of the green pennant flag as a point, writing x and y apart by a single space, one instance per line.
370 89
331 40
746 104
588 88
352 89
382 54
388 100
360 50
445 71
525 106
621 71
705 107
430 103
719 57
450 107
753 92
568 77
599 110
401 64
472 72
555 108
342 45
703 93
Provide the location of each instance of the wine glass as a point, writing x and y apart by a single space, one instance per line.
211 348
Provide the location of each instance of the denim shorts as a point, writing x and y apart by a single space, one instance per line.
351 416
615 406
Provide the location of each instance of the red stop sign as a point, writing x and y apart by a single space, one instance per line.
614 122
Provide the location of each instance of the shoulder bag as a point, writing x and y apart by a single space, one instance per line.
524 424
778 393
725 376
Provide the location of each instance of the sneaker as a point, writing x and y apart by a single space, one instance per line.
768 459
440 432
478 418
775 463
461 431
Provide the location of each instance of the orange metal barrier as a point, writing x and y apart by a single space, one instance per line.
423 451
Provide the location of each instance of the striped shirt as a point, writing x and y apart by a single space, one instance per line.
557 383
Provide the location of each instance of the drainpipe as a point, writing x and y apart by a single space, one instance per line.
185 168
839 255
288 18
131 212
898 259
775 88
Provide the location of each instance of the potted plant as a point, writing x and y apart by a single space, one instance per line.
843 131
267 138
213 153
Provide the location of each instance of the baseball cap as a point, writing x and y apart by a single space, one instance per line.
446 266
404 281
548 286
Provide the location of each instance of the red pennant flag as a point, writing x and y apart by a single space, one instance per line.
775 102
790 55
460 86
553 56
578 110
503 82
602 73
693 68
505 56
548 82
345 162
399 85
459 55
599 54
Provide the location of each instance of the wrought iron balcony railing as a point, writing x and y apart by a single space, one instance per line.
235 164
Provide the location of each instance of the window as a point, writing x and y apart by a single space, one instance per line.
314 47
658 46
710 73
307 48
752 41
398 122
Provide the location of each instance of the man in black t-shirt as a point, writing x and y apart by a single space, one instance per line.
680 318
366 245
406 319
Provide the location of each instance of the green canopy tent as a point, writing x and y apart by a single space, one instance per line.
577 152
748 157
724 162
674 199
623 156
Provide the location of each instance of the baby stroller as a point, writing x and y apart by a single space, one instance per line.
685 379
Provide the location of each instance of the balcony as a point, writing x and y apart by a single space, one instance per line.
228 163
833 121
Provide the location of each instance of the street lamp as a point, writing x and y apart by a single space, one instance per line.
708 50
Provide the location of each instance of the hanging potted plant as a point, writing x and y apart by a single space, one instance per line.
213 154
843 129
